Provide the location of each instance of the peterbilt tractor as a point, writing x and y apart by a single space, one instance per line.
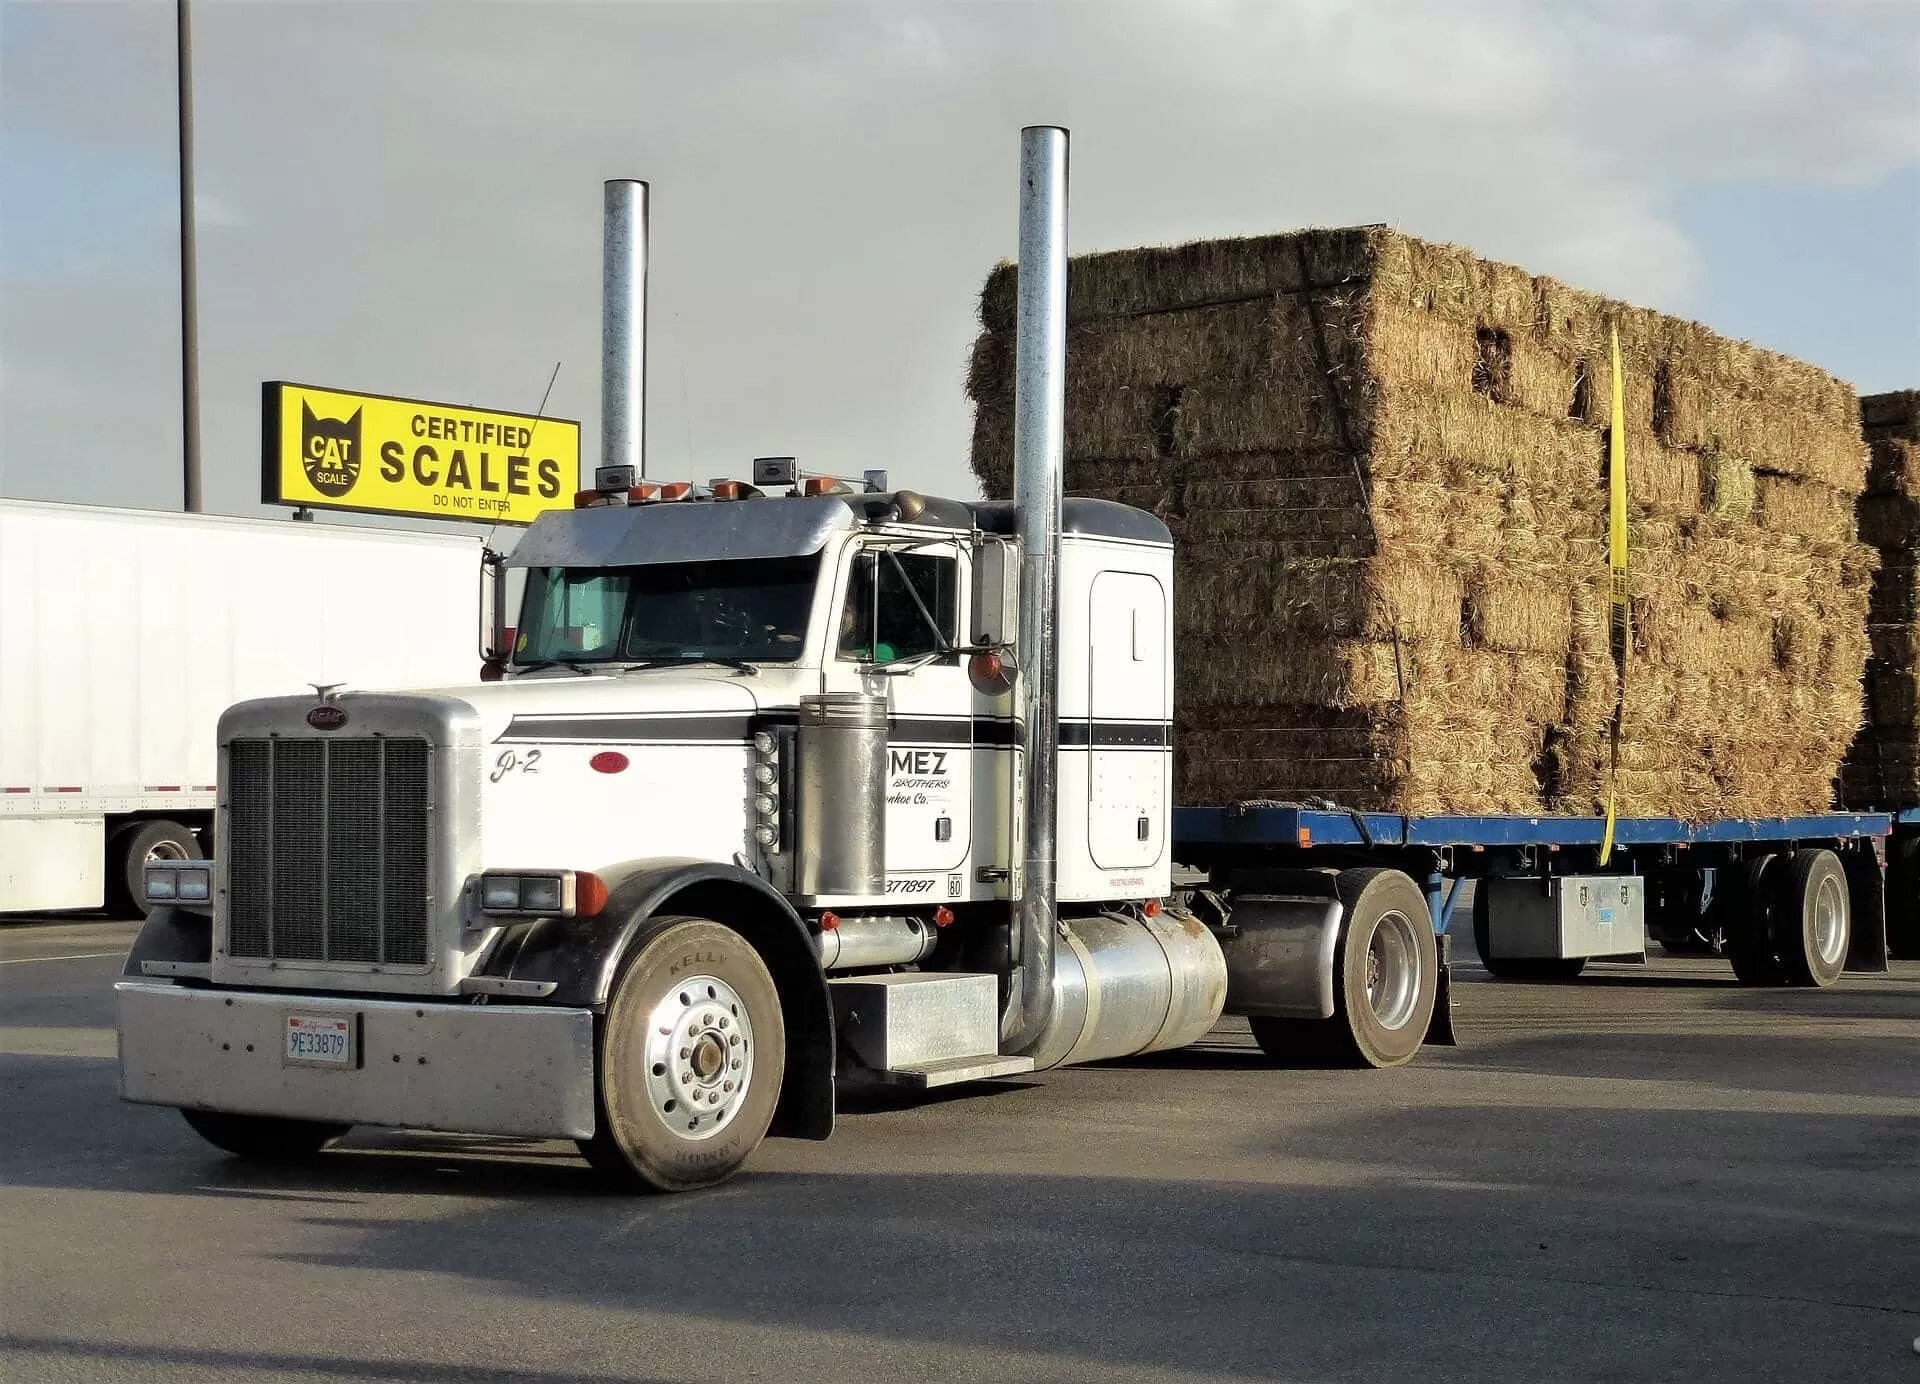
788 783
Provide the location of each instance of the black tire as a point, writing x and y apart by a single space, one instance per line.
128 851
1812 917
263 1138
1746 916
1387 974
1544 968
1903 898
699 981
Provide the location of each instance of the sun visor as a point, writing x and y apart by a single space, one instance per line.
681 531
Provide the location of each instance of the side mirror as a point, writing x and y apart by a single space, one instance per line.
996 594
494 638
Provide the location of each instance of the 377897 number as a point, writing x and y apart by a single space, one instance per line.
909 886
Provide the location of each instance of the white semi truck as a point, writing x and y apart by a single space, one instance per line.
125 633
794 782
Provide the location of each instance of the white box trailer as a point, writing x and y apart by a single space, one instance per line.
125 633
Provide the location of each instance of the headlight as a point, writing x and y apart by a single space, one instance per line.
501 892
540 894
195 884
545 894
163 882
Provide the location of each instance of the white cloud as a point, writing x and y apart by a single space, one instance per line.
406 195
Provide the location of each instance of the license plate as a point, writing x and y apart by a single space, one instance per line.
316 1040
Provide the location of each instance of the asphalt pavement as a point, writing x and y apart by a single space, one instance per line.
1651 1174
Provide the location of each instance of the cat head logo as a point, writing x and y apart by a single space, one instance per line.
330 451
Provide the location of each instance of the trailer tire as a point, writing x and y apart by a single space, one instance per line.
1544 968
688 1059
1387 975
263 1138
1811 917
130 849
1748 923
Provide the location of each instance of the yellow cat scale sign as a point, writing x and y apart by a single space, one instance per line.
336 449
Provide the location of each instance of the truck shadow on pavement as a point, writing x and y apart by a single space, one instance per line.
1365 1233
81 1354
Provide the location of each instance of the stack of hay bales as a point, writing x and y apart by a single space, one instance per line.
1883 768
1384 465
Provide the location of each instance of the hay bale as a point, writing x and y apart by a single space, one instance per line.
1882 768
1384 464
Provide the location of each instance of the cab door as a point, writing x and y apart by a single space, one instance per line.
900 621
1129 799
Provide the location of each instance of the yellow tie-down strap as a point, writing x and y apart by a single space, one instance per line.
1620 622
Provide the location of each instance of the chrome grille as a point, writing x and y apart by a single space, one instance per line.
327 856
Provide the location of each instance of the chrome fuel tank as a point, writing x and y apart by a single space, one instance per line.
1126 985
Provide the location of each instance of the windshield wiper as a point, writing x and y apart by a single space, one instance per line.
553 663
739 664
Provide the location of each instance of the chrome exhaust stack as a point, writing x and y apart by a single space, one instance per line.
623 327
1039 410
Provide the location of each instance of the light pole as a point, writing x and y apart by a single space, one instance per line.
189 313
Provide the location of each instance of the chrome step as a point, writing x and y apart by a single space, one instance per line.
954 1071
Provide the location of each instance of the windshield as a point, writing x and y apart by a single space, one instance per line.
680 612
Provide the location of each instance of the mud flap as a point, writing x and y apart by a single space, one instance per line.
1440 1026
1867 893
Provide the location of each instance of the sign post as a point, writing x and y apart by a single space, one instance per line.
340 449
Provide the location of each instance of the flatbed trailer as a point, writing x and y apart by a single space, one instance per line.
1732 886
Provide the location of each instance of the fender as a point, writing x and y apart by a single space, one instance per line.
171 934
581 957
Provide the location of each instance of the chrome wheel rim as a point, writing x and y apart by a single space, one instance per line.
164 853
699 1057
1393 970
1829 922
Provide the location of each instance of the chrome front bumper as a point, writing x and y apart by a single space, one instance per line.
465 1068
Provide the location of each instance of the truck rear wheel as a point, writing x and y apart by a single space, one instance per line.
690 1059
1748 911
132 848
1811 917
1387 974
1516 967
264 1138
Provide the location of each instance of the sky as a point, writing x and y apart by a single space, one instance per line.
405 197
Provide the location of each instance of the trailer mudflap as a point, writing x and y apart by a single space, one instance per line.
1440 1026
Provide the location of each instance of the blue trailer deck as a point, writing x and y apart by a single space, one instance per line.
1685 863
1296 826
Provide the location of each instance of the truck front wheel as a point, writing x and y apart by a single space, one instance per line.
265 1138
690 1059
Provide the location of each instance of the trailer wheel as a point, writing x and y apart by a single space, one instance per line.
1747 917
690 1058
1516 967
135 846
1811 917
1388 972
264 1138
